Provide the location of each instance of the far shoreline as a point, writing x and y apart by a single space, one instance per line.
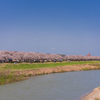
58 69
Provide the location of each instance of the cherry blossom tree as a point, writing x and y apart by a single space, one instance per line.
32 56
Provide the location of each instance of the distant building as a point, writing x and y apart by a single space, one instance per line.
89 54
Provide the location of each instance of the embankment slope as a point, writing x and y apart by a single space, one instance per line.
94 95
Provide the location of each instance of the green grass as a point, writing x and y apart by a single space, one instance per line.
10 78
85 69
22 66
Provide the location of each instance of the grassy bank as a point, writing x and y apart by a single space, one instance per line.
4 79
10 72
22 66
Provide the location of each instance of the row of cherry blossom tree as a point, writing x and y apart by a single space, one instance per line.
31 56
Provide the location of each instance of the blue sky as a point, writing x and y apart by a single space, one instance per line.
70 27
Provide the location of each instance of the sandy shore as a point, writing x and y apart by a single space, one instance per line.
94 95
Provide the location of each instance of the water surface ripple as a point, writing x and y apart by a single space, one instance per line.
58 86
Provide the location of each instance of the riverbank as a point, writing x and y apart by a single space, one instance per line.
94 95
16 72
58 69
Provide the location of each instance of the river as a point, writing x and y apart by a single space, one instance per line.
57 86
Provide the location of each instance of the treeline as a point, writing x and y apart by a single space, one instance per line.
14 56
